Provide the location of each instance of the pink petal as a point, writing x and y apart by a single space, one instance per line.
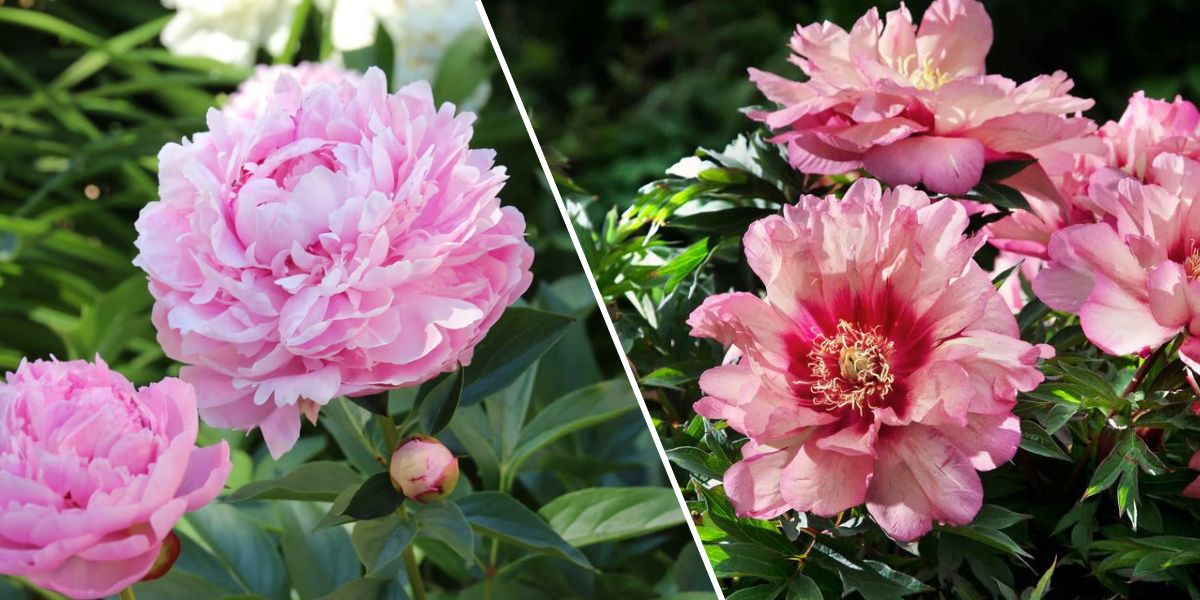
921 476
281 429
825 482
1168 288
945 165
956 35
1119 322
988 440
752 485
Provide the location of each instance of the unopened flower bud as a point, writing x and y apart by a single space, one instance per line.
423 469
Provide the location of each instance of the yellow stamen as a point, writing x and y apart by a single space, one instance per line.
863 375
925 77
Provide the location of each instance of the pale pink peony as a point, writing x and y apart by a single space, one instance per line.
253 96
1057 189
912 105
882 366
1132 278
423 469
94 474
348 243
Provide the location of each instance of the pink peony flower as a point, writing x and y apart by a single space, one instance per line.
912 105
882 366
1058 196
253 96
94 474
348 243
1132 277
423 469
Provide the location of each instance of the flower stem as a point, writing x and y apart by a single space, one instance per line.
127 594
410 564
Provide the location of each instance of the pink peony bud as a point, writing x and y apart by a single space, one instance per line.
94 474
423 469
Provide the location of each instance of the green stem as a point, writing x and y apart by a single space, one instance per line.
127 594
490 574
414 571
299 20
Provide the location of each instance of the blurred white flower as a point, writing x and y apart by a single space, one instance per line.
420 30
230 31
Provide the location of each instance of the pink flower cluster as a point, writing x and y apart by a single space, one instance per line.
882 366
345 242
912 105
94 474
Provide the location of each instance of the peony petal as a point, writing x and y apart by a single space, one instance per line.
945 165
956 36
752 485
921 476
825 482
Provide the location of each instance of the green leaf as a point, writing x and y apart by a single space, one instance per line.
991 537
321 480
766 591
580 409
249 554
500 516
379 543
513 343
681 265
370 588
444 522
605 514
466 64
761 533
1003 169
739 559
1035 439
999 195
375 498
803 588
1106 473
696 461
318 562
437 407
1043 584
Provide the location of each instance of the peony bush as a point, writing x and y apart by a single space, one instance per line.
306 349
925 331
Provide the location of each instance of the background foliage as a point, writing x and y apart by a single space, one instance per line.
619 90
1090 507
563 495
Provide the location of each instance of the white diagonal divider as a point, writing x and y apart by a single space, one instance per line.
587 271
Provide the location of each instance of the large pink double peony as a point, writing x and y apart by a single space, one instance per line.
1132 278
1057 190
882 366
345 242
94 474
912 105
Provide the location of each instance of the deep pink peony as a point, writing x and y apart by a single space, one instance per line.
348 243
912 105
1057 189
882 366
1132 278
253 96
94 474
